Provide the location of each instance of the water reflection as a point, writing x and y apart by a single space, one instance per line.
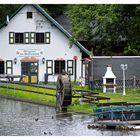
18 118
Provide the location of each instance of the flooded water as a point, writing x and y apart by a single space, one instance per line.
20 119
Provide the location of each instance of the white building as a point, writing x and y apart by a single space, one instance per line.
32 43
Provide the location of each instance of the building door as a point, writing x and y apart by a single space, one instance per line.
30 72
1 67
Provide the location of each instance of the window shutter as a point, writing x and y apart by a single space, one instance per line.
49 67
11 37
32 37
9 67
70 66
26 37
47 37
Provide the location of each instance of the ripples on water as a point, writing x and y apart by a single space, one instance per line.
18 118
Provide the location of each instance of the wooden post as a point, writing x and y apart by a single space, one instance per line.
75 74
134 82
75 62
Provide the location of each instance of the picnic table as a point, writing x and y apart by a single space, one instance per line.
11 77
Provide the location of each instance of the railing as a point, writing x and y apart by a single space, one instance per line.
130 83
16 90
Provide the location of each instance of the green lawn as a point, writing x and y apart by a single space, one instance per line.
28 88
131 96
29 95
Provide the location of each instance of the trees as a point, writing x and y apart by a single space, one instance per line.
54 10
104 26
7 9
107 28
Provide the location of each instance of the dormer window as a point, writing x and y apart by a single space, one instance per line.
29 15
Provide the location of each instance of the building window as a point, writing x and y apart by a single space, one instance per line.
70 66
19 38
11 38
29 38
47 37
9 67
1 67
26 35
49 67
29 15
59 66
32 38
40 38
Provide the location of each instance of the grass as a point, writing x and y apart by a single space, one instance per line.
29 88
130 97
29 95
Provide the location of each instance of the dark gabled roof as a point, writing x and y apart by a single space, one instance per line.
55 23
64 21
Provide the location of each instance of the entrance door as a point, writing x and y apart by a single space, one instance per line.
1 67
30 70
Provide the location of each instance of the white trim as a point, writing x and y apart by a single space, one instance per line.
116 57
69 2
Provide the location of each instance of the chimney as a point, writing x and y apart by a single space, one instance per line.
109 73
109 80
7 19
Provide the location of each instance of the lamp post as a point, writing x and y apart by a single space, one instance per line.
124 67
43 60
15 60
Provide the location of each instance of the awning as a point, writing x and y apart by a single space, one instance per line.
1 59
29 59
86 59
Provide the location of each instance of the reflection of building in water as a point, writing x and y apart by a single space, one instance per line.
34 44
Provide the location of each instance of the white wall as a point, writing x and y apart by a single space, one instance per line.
58 48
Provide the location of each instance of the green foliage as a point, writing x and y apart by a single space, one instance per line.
71 42
131 51
7 9
54 10
102 26
107 25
